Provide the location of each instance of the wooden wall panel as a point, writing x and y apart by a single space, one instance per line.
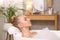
49 3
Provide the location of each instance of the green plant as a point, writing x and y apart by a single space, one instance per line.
8 12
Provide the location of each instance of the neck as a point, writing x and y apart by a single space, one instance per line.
25 32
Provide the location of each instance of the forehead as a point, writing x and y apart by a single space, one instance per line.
19 19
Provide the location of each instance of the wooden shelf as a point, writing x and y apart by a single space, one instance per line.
45 17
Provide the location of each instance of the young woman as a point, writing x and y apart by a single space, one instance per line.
24 24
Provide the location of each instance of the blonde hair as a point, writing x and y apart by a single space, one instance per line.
15 20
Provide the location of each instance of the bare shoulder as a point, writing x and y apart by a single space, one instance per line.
33 34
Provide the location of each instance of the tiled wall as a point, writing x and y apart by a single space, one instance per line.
56 6
1 27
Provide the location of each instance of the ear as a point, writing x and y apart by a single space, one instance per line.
18 25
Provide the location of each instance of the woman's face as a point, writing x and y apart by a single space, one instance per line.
24 22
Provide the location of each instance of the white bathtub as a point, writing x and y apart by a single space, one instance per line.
41 34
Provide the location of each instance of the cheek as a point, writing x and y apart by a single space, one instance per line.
18 20
20 25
